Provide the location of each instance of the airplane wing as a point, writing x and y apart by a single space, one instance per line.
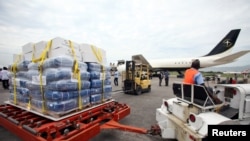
140 59
232 56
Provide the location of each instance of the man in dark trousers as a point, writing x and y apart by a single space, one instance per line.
166 74
161 76
5 75
116 76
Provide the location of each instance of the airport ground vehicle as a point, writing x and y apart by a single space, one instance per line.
82 125
136 78
187 116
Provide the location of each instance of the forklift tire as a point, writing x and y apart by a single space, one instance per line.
138 90
149 88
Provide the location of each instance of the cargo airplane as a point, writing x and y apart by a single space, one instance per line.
220 54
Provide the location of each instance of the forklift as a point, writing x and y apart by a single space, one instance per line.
136 78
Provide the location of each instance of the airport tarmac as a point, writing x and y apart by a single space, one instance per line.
143 110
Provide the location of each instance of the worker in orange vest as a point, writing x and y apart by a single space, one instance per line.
193 76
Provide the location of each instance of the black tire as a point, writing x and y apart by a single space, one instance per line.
149 88
138 90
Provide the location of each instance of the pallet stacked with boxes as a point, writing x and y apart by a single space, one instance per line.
59 76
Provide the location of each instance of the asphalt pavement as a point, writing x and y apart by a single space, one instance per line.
143 112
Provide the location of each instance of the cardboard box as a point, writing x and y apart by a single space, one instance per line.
27 48
38 48
58 47
92 54
28 56
17 57
61 42
40 45
65 52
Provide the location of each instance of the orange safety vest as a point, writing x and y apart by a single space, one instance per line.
189 76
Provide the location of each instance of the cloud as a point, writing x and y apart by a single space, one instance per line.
154 28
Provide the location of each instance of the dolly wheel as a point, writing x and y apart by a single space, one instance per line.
138 90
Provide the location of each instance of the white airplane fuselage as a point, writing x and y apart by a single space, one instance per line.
175 63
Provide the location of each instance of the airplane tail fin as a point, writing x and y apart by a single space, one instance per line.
226 43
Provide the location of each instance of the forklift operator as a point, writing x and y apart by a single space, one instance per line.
193 76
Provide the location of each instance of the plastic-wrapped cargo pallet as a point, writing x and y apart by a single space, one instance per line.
19 92
61 77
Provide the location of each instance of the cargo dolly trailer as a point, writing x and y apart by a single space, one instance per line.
82 125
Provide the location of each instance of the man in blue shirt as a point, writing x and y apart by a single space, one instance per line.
193 76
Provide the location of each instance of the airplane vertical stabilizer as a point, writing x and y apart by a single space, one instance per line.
226 43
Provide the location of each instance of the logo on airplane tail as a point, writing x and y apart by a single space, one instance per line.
227 43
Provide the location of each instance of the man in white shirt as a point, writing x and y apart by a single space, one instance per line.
5 74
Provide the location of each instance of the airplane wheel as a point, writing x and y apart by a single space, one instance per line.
138 90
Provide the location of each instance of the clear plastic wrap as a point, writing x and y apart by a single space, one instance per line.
36 94
94 66
32 86
107 75
31 73
55 74
107 92
22 74
60 107
96 83
33 66
107 82
61 96
95 99
107 89
19 82
85 101
107 95
20 98
95 91
63 61
85 75
55 106
95 75
21 91
67 85
23 65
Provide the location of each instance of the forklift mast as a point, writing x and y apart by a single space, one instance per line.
130 70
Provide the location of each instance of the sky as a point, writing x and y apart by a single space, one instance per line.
154 28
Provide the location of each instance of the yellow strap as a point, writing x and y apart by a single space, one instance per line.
103 79
15 94
77 75
79 91
42 58
33 52
98 53
43 55
14 70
